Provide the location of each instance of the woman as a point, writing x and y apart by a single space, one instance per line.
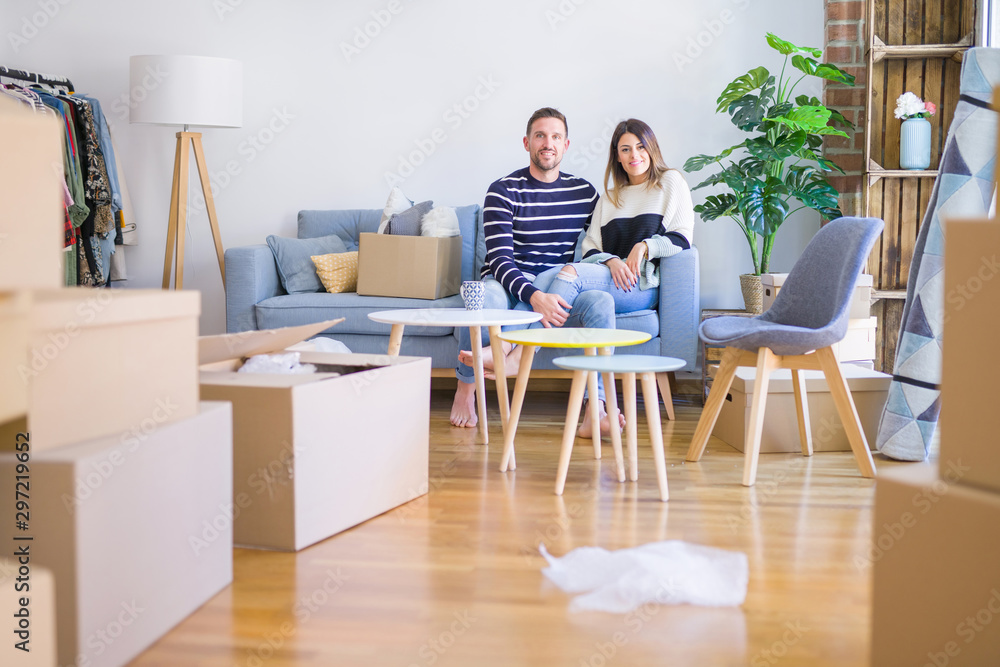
647 215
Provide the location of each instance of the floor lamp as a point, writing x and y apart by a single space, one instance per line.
186 90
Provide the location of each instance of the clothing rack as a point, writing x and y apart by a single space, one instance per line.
17 76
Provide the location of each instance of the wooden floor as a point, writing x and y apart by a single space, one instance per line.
454 577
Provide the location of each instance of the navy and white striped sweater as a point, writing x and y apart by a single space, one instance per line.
531 226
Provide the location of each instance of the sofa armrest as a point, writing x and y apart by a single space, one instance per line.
680 294
251 277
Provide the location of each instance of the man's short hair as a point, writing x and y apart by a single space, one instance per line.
546 112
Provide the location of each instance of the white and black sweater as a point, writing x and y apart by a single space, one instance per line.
662 217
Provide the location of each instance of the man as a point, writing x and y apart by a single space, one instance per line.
532 220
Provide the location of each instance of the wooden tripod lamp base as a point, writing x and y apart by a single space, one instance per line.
178 210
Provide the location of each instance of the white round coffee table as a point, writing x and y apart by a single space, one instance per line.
475 320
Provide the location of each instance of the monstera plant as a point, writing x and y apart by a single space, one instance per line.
779 165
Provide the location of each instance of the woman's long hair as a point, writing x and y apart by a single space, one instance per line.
617 175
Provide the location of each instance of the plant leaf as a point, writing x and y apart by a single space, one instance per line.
716 206
714 179
699 162
822 70
817 194
786 146
744 85
764 207
785 47
812 120
748 111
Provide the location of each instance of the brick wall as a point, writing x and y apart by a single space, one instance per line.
846 32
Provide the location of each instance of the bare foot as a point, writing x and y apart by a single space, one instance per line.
512 361
463 410
585 430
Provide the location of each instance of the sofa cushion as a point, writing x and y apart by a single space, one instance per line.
294 260
337 271
295 309
407 223
397 203
647 321
346 224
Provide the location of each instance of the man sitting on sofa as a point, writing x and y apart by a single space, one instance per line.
532 220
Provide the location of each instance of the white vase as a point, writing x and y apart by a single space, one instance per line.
915 144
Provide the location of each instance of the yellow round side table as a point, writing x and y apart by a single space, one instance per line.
591 341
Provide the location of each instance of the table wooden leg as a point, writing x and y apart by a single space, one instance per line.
595 418
631 427
655 430
476 333
611 403
499 359
569 430
396 339
520 387
663 380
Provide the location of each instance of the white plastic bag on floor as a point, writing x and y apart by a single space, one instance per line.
281 364
671 572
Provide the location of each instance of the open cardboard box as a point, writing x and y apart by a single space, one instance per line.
14 309
417 267
316 454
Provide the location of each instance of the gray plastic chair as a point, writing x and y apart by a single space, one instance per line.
809 314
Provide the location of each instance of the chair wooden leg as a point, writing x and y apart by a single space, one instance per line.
611 403
663 380
520 387
710 413
569 429
767 361
631 426
802 411
655 431
595 418
848 412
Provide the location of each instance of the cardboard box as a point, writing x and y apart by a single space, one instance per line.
103 362
137 532
31 199
869 390
935 553
861 303
14 308
970 418
859 343
317 454
36 619
419 267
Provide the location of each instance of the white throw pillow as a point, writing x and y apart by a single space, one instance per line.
440 221
397 203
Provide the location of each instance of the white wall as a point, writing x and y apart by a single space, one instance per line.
329 125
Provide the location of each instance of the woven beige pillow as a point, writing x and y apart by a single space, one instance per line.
337 271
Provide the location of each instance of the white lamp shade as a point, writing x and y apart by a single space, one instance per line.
186 90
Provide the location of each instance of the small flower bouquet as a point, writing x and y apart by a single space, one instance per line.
910 106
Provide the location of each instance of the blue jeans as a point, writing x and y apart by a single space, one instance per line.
591 309
598 277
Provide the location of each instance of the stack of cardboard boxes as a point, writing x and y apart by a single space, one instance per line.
110 465
935 549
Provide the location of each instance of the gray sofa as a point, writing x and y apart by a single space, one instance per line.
255 299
